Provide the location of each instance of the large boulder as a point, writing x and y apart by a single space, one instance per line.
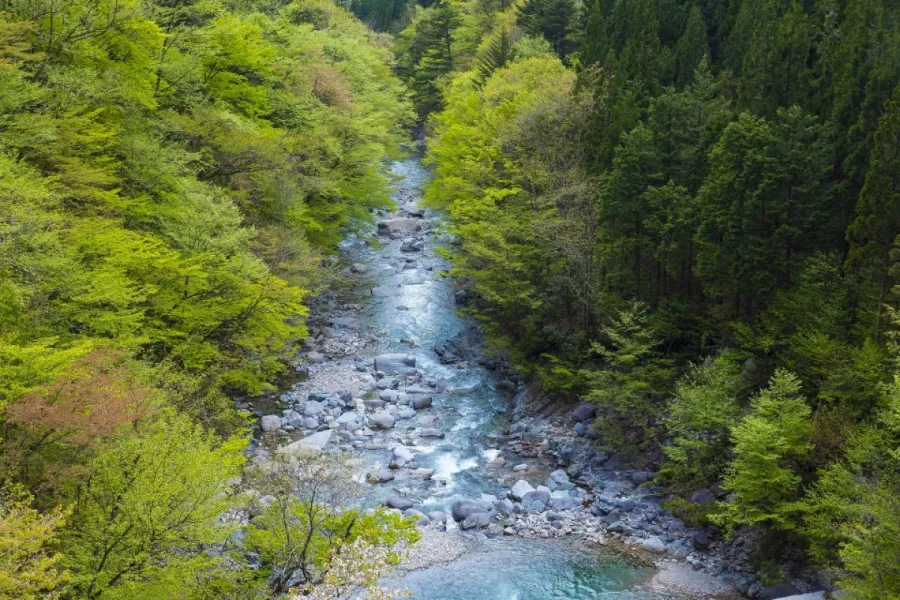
399 502
584 412
395 364
419 402
380 476
270 422
399 227
462 509
311 443
521 488
476 520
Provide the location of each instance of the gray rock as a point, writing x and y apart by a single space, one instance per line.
399 227
464 508
619 527
315 358
270 422
313 408
393 364
700 540
401 457
779 590
584 412
399 502
358 268
419 402
432 433
407 413
382 420
654 544
315 442
521 488
310 423
348 418
380 476
476 520
292 418
639 477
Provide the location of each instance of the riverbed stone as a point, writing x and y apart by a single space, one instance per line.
313 408
477 520
399 502
421 401
380 476
382 420
400 457
463 508
311 443
520 489
654 545
395 363
270 422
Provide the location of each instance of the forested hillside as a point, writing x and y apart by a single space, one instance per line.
686 212
171 176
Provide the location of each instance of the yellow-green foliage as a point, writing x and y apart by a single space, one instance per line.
28 568
171 173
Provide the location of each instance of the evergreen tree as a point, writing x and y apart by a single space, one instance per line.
554 20
763 477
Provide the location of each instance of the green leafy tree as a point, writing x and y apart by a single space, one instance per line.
630 383
147 507
699 418
29 569
769 443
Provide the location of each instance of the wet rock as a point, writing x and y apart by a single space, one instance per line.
477 520
380 476
391 364
461 509
399 227
420 402
401 457
432 433
399 502
412 245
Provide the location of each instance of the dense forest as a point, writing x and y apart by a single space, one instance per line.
683 211
686 211
171 176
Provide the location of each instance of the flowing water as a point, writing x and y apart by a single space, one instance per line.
414 303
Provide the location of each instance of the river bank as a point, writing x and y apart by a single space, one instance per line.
437 429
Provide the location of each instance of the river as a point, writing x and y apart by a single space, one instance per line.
403 304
